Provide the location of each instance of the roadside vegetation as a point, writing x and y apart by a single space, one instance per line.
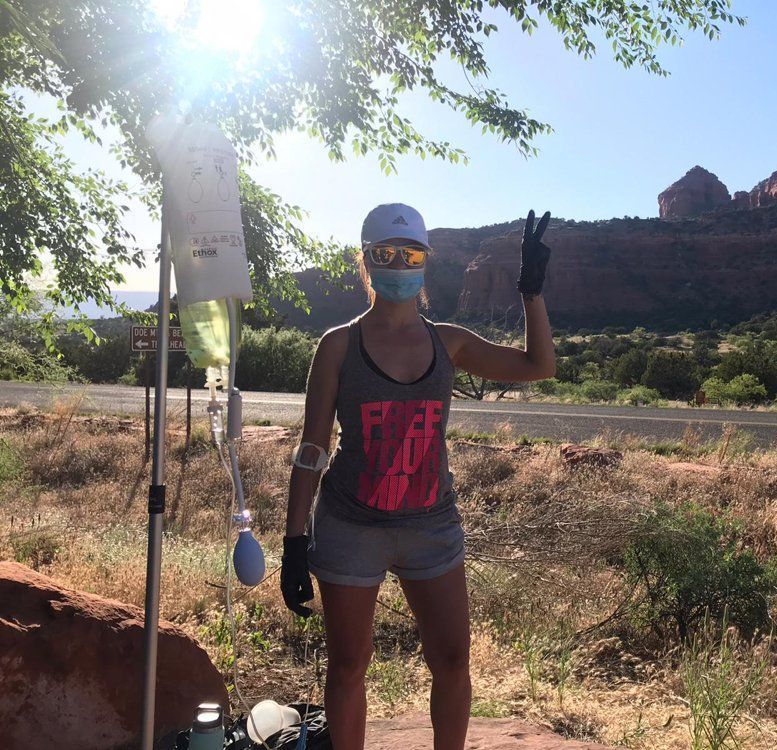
630 604
732 367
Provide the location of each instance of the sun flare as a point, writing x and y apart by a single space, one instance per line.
223 25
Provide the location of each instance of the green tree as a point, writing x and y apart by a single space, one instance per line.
335 69
628 369
672 374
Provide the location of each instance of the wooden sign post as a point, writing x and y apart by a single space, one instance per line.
144 339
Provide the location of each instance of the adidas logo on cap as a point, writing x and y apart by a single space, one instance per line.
394 220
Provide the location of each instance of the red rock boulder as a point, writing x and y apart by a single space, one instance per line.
698 191
584 455
414 732
71 667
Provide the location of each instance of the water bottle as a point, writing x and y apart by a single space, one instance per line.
208 728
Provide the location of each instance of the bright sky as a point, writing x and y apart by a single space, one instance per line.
621 136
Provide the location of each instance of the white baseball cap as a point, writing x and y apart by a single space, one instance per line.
394 220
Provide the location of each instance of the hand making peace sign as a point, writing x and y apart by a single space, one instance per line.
534 255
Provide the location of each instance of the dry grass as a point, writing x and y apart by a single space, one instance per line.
543 545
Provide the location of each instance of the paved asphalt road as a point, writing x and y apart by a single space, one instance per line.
558 421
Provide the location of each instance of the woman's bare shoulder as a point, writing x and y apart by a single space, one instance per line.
333 345
453 337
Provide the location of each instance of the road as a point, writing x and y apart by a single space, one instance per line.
563 422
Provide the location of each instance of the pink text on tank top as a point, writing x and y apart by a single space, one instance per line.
402 441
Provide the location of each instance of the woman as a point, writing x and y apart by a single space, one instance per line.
386 500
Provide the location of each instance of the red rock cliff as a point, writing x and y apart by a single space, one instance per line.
685 271
632 271
698 191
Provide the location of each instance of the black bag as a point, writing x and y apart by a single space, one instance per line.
318 731
236 734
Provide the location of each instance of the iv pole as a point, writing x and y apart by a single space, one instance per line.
156 492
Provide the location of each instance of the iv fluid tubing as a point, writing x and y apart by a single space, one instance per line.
234 408
232 313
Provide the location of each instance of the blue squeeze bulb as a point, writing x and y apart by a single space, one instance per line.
248 559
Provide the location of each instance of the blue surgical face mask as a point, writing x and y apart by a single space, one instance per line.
397 285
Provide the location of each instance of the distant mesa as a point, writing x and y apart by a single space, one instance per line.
700 191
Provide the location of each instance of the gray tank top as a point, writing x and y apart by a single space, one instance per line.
390 466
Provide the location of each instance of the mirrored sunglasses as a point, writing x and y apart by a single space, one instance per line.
382 254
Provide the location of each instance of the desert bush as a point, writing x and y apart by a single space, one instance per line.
77 461
598 390
35 548
742 389
546 387
686 562
715 390
274 360
19 363
754 357
639 394
103 362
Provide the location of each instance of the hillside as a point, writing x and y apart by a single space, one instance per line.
699 271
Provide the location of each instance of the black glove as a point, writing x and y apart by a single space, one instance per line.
296 585
534 255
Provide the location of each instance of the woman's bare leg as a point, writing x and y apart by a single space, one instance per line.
348 616
441 608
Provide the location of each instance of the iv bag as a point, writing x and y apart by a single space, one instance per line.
201 208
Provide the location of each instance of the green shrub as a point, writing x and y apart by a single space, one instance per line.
686 561
35 548
758 358
569 392
715 390
746 389
598 390
19 363
547 387
105 362
639 394
274 360
591 370
743 389
129 378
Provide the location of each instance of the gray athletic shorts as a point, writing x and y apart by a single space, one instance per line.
354 554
